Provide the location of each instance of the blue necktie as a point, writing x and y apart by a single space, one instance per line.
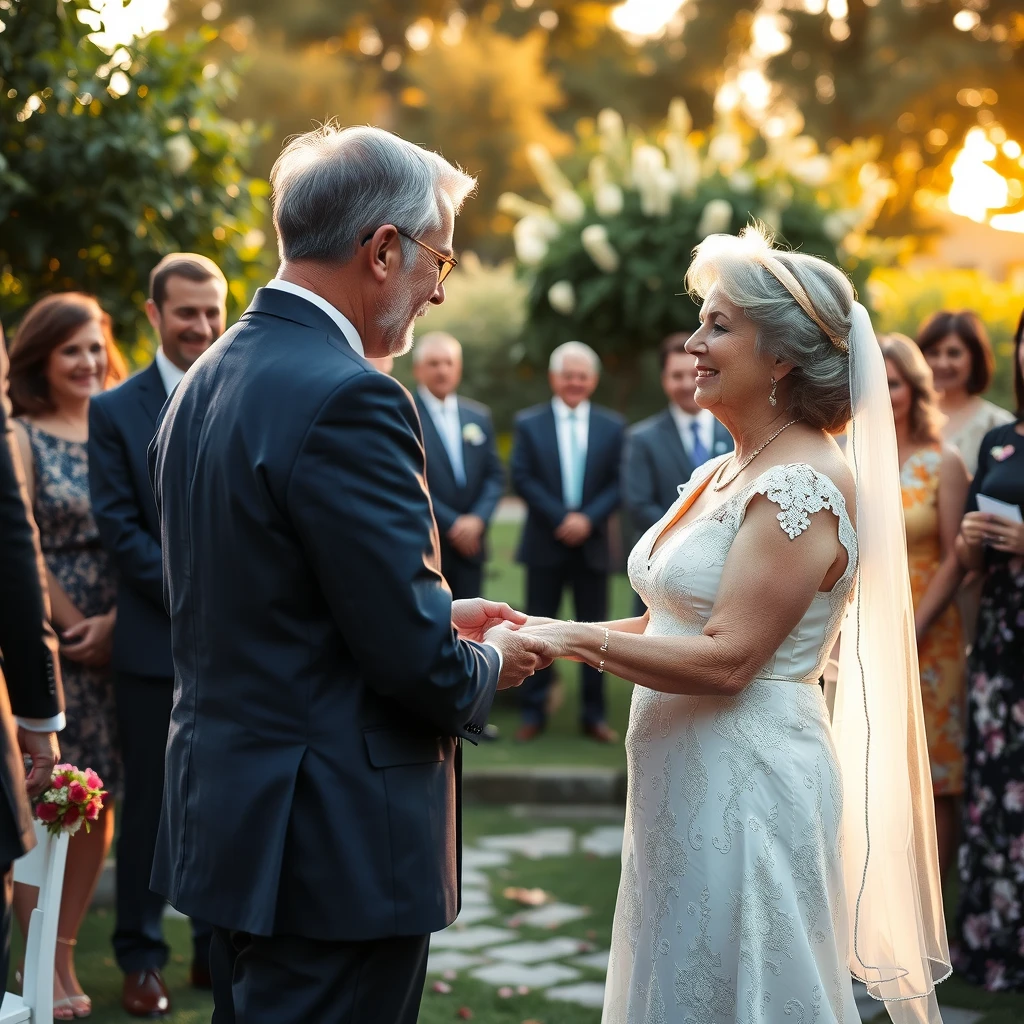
700 454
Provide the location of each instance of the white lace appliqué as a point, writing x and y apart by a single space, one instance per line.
800 493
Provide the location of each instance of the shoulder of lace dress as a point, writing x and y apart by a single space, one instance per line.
800 491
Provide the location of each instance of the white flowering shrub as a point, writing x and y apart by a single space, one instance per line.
606 256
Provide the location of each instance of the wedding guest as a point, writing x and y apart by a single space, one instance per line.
30 677
186 308
934 483
662 451
464 472
989 948
565 463
62 355
957 348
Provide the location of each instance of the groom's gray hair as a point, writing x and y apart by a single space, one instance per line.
333 186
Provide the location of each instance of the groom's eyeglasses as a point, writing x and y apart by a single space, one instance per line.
445 264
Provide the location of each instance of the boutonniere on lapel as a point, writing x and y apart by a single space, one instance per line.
473 434
1002 452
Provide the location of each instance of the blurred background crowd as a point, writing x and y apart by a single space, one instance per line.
553 385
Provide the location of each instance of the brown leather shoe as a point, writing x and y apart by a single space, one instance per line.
526 733
601 732
199 977
145 995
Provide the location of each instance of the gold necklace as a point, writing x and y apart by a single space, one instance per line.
720 484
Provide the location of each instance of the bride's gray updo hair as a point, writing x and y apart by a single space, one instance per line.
802 307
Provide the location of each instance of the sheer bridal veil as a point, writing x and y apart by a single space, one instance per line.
897 934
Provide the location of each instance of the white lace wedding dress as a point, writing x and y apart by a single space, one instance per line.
731 904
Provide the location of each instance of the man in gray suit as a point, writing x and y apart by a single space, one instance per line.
662 451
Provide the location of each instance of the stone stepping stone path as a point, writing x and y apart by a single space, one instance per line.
500 956
535 952
530 975
584 993
544 842
553 915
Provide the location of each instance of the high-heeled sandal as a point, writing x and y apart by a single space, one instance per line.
79 1003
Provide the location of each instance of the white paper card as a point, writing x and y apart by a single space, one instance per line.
995 507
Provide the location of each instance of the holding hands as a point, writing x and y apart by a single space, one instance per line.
499 625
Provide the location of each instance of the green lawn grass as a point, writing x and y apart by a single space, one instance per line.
562 742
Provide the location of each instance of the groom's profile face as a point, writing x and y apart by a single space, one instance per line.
416 287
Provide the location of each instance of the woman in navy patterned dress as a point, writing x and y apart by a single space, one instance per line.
62 354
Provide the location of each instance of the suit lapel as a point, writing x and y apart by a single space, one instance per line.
471 453
681 462
437 453
549 444
152 394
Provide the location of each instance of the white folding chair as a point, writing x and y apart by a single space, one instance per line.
42 867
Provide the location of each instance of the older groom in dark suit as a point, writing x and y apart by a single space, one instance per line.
186 307
464 472
565 465
30 677
324 679
662 451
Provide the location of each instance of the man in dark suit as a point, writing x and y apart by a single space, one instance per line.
565 465
324 679
662 451
30 678
186 306
464 472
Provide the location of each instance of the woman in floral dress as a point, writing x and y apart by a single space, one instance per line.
62 354
990 919
934 484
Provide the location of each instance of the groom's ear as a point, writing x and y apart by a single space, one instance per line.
381 252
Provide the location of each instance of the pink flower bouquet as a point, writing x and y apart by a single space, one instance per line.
74 797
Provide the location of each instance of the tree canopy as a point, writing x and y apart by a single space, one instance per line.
110 160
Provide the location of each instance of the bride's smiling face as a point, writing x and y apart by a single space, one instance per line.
731 374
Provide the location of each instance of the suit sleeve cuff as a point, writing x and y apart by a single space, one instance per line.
501 659
54 724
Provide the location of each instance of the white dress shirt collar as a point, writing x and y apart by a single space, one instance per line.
562 410
438 406
170 374
347 329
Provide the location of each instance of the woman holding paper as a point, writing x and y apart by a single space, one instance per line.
991 941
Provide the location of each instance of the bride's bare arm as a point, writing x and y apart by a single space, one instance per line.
767 585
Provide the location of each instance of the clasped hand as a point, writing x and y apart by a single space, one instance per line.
522 651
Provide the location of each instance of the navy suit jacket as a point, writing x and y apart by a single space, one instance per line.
537 478
485 476
312 783
654 464
122 422
30 677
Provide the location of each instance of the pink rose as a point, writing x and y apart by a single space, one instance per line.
78 793
92 812
47 812
92 780
59 781
71 815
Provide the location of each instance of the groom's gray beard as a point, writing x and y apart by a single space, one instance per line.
397 326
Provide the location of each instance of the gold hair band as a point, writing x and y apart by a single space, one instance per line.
785 277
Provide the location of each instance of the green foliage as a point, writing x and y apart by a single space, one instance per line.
109 161
904 299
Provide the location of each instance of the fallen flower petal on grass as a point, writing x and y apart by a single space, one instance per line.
528 897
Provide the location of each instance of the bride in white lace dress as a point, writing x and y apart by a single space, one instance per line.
733 902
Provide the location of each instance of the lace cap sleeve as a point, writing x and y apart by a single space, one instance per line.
799 491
